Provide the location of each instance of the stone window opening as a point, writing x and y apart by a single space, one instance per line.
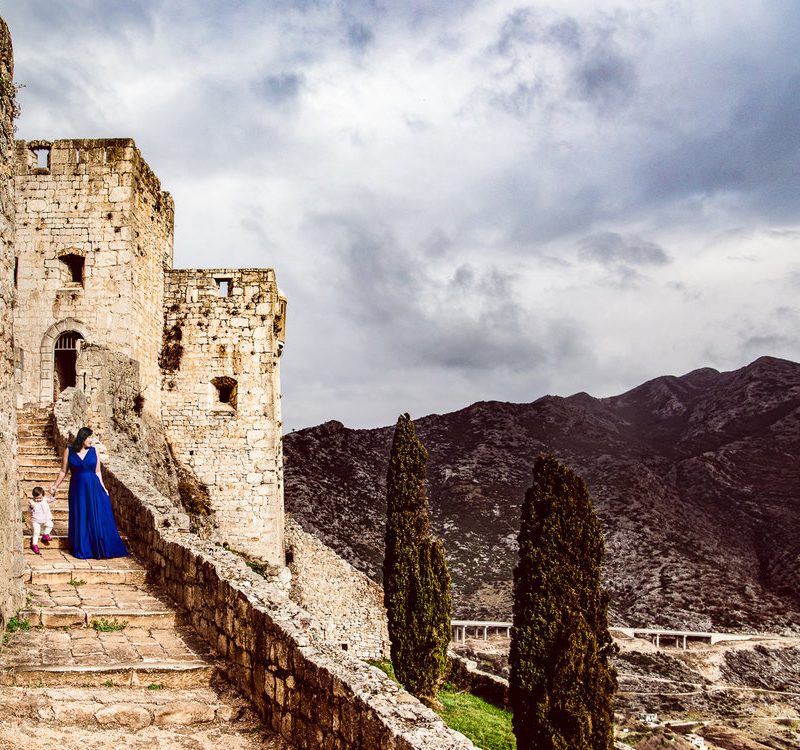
16 271
42 158
77 156
226 392
224 287
74 266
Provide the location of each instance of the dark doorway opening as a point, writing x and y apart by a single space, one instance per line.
65 358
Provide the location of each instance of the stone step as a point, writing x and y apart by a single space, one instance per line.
47 451
35 473
27 461
34 421
119 717
57 541
60 527
118 654
55 567
167 674
51 575
35 440
61 617
131 708
34 433
81 603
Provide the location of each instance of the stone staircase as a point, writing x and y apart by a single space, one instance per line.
99 658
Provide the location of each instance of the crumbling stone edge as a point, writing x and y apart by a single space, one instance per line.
311 693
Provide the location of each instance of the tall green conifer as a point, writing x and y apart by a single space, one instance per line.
416 582
562 682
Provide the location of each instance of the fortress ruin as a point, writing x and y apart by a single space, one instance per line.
92 265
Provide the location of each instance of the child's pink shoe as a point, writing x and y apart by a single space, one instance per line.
35 548
46 538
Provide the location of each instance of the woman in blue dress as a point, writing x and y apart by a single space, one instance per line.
92 530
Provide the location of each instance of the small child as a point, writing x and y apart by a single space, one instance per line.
41 515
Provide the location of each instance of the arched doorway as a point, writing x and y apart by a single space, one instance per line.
65 357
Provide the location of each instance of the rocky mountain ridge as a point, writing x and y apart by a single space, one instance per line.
696 480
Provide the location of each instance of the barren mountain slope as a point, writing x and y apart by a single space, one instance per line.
696 480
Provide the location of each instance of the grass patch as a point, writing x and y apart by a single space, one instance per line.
101 625
77 582
155 686
488 726
264 569
13 625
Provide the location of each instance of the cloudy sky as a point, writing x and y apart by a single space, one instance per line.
462 200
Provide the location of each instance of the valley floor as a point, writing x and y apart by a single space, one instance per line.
739 696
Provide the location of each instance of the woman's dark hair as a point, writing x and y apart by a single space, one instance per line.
80 439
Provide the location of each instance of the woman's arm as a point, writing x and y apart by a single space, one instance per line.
62 473
100 474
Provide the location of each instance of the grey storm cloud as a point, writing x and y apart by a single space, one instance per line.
609 248
606 78
450 192
596 70
471 320
281 87
359 35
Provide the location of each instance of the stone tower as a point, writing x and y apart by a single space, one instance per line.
223 335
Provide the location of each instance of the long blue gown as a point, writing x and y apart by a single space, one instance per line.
92 530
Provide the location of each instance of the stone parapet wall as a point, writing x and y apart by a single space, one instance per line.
346 602
10 517
312 693
95 200
220 401
465 674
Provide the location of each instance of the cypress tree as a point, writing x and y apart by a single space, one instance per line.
562 681
416 583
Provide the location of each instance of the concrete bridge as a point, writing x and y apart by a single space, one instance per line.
680 637
480 628
660 637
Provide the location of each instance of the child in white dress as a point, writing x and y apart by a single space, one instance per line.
41 516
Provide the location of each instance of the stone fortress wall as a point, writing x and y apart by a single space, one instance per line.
348 604
223 334
10 519
88 212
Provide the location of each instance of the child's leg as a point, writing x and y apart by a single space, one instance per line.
37 529
48 527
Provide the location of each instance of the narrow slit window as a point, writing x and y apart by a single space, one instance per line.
74 268
224 287
226 391
77 156
16 271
